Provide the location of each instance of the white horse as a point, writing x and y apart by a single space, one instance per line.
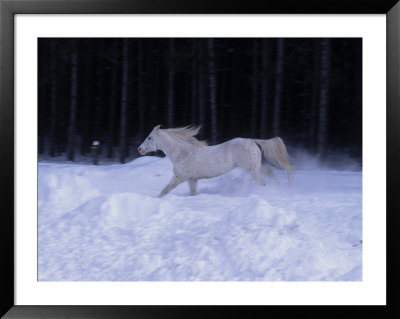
193 159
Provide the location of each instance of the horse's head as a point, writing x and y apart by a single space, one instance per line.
150 144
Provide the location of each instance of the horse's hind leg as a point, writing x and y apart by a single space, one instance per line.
268 171
256 176
192 186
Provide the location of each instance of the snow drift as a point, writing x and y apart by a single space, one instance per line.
105 223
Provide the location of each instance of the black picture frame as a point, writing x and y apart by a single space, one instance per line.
9 8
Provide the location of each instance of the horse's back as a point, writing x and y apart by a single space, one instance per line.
242 144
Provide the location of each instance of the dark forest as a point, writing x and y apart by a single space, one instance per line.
308 91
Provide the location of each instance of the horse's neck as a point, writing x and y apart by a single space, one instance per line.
173 147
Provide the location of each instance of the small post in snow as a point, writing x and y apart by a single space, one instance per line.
95 151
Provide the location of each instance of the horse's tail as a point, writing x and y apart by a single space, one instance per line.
274 151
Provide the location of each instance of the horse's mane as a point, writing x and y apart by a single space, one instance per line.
187 133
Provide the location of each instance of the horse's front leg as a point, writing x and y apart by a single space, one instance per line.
175 181
192 186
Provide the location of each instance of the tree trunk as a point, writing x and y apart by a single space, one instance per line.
221 89
194 82
124 102
264 63
73 102
278 86
43 74
141 90
212 87
254 87
87 98
324 96
156 86
53 98
357 105
113 101
99 97
171 80
313 117
201 90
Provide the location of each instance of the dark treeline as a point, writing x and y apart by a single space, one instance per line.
306 90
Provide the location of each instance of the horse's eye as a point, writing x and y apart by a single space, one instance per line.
150 138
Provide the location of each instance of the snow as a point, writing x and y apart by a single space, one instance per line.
106 223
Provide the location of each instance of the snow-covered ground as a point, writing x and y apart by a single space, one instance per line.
106 223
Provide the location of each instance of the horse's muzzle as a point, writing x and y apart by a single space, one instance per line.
141 151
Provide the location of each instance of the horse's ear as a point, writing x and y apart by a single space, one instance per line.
157 127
